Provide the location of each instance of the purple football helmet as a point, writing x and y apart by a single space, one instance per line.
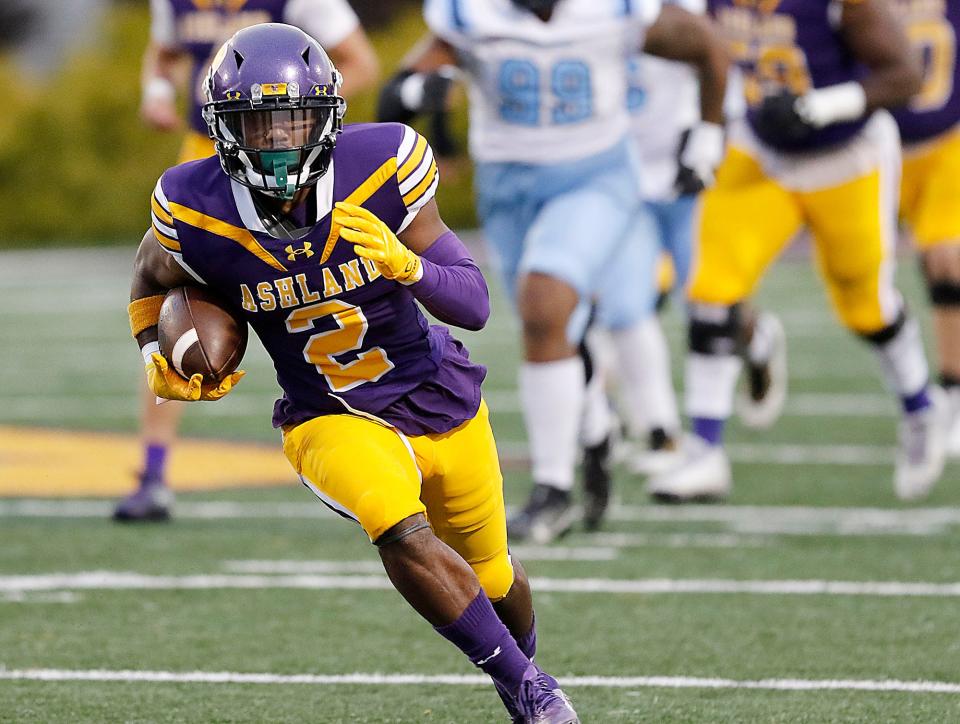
273 108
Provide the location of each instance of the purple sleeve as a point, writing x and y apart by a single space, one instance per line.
452 287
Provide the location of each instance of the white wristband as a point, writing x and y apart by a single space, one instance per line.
833 104
147 351
159 89
704 150
411 91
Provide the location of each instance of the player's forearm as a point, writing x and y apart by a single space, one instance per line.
452 287
877 39
682 36
891 87
158 75
357 62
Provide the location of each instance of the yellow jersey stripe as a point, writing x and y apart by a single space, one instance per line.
413 162
417 191
161 212
363 192
221 228
165 241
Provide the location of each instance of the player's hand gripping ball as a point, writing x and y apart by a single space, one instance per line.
372 239
202 341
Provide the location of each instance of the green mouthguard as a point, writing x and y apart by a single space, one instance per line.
281 162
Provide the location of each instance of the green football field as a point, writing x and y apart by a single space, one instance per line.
813 596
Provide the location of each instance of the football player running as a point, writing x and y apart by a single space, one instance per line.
816 150
326 241
189 32
930 191
557 180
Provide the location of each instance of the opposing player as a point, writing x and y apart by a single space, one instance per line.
188 32
816 150
556 179
930 191
326 241
679 155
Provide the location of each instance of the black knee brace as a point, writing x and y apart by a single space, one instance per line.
943 292
714 329
887 333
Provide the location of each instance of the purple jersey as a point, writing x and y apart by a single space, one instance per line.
932 27
342 337
202 26
789 44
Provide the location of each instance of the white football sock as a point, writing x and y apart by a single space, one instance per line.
903 360
711 381
552 395
644 363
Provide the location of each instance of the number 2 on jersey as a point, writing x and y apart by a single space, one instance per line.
323 348
520 92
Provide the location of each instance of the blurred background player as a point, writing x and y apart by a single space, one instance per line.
557 182
184 35
816 151
930 191
382 416
679 155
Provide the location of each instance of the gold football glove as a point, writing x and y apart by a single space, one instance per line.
167 383
372 239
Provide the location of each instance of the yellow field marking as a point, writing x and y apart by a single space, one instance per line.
37 462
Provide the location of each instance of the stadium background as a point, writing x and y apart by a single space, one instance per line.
813 596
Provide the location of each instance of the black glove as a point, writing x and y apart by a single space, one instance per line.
688 182
779 123
434 88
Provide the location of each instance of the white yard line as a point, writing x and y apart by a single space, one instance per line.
378 679
516 451
841 518
129 581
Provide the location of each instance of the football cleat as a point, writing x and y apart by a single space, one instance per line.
542 701
922 448
761 404
661 453
596 483
953 430
150 502
702 474
548 515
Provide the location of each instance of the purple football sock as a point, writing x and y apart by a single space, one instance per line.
709 429
481 635
155 458
917 402
528 642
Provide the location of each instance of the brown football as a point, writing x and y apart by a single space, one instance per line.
200 332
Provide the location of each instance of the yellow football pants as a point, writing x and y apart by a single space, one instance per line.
930 191
378 477
748 218
194 147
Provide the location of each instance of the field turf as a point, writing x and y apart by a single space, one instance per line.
813 596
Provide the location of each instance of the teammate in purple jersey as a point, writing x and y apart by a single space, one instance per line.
930 187
818 151
190 31
327 242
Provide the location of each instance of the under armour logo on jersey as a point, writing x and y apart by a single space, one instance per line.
292 253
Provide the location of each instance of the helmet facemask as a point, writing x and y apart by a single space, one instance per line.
276 145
